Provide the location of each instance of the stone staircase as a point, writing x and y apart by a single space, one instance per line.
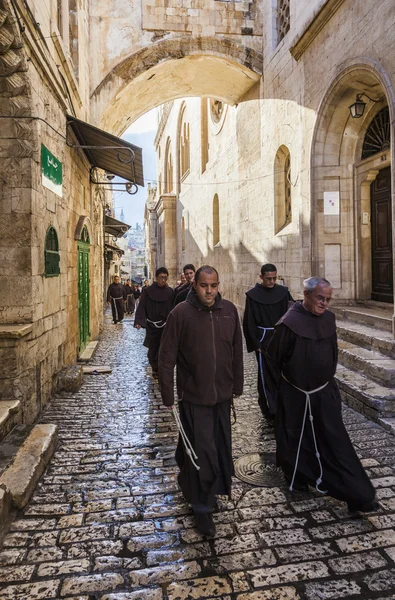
366 370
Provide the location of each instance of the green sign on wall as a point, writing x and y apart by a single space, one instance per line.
51 171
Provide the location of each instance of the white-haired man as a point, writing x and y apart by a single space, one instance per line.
313 446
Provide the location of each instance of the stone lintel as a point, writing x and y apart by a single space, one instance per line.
15 330
318 21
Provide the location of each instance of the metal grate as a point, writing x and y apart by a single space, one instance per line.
378 136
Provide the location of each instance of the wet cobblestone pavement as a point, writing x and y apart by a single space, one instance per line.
108 522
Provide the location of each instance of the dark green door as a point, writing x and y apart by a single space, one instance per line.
83 291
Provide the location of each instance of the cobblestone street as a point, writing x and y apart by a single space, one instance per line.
108 522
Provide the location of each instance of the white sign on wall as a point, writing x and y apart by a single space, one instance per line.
331 203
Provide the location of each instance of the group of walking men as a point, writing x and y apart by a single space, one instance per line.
122 297
197 331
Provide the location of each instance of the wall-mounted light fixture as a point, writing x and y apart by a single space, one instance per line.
358 108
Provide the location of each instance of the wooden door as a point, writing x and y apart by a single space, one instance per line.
83 295
382 276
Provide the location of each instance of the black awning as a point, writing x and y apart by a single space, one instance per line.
113 247
114 227
107 151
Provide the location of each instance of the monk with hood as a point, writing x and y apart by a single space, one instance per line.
313 446
156 302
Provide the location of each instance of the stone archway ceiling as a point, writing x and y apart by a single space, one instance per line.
152 77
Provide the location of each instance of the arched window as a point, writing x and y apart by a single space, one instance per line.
183 234
168 184
184 147
51 253
283 19
377 137
282 189
216 228
85 235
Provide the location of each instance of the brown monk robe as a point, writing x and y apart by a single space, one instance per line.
313 446
266 303
130 301
156 302
116 296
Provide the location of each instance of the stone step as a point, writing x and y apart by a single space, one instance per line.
373 317
10 416
367 337
364 395
89 351
371 363
27 465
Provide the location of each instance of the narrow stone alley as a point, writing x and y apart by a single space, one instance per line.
108 522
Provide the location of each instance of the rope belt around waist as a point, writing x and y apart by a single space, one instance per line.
155 323
115 305
311 418
264 329
128 295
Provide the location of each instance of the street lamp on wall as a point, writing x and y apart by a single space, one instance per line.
358 107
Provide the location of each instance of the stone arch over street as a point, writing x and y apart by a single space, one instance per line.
341 180
174 68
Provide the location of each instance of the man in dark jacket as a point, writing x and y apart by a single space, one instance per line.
266 303
182 291
203 338
116 296
156 302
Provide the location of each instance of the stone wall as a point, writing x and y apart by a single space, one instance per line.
311 77
37 88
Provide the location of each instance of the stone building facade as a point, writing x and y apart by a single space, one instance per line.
51 226
287 175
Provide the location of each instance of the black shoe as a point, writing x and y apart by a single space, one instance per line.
298 486
205 524
369 507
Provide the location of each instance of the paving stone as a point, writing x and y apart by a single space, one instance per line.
54 569
301 552
279 593
70 521
288 573
284 538
243 560
31 591
91 583
157 557
44 554
164 573
325 590
32 524
375 539
106 563
358 562
261 496
81 534
144 594
381 581
205 587
157 540
20 573
339 529
236 544
239 582
12 556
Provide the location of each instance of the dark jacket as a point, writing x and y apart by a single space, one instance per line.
181 294
206 345
155 304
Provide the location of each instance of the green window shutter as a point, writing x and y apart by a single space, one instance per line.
51 254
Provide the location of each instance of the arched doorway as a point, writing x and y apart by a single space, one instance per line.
83 290
351 246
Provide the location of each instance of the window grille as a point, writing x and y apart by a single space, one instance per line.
51 254
283 19
377 137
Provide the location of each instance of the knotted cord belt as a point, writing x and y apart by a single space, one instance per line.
264 329
187 444
311 418
155 323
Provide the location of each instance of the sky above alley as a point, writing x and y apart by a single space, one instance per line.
141 133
